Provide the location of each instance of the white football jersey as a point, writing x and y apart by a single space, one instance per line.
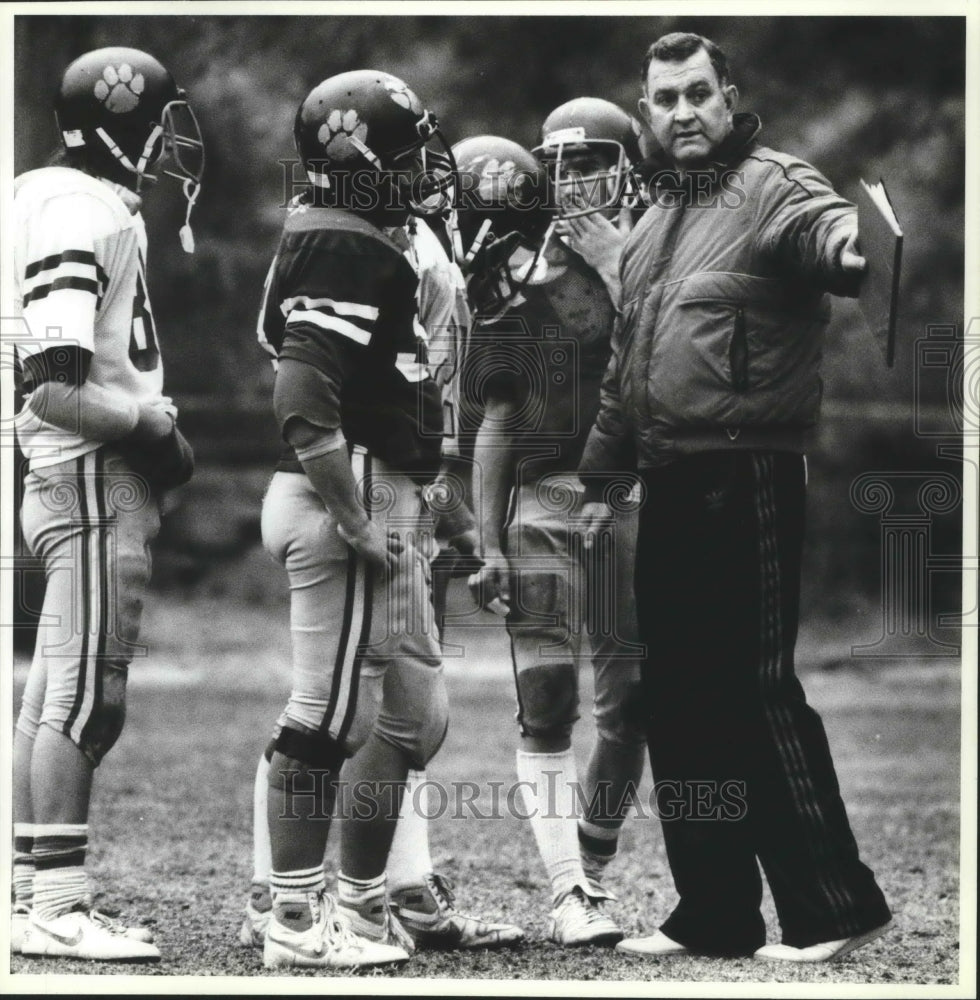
80 274
444 314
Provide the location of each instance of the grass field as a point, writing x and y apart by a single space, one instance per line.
171 828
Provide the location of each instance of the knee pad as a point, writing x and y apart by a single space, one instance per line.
547 697
419 735
105 723
311 751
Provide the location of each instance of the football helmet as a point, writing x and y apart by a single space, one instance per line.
364 140
590 147
501 220
120 112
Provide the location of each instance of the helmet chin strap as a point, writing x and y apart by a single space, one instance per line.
191 191
191 188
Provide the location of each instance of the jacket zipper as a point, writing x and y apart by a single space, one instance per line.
738 353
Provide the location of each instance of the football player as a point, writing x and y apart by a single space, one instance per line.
421 897
539 368
362 420
102 445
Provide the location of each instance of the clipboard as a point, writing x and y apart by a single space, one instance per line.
880 240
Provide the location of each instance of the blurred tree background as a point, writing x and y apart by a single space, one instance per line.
856 96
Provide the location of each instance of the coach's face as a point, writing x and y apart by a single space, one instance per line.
688 110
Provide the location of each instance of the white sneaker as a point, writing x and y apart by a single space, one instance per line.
826 951
656 945
578 920
374 920
85 934
427 913
110 923
328 943
18 926
254 926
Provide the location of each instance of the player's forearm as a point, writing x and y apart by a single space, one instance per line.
333 478
494 458
89 410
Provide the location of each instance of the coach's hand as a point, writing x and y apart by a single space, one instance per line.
595 517
490 584
381 550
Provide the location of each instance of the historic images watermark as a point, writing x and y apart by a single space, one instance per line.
906 503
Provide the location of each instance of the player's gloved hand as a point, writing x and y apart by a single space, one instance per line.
490 584
595 517
381 550
157 451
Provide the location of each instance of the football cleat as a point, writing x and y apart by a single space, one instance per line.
254 926
373 919
86 934
577 919
328 943
427 913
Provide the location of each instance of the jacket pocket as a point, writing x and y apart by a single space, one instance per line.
738 353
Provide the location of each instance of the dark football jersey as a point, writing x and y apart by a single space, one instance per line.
547 357
340 296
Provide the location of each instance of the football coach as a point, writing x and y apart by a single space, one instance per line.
711 394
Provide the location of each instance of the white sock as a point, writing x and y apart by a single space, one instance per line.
261 841
409 859
60 882
357 891
547 788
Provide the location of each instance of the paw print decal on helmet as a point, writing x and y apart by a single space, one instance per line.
335 134
496 178
400 93
120 88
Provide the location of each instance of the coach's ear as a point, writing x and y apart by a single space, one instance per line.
643 106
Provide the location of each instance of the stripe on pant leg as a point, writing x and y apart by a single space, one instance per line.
364 595
107 583
351 616
772 663
80 611
96 572
347 616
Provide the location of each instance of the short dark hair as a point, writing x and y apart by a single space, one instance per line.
681 45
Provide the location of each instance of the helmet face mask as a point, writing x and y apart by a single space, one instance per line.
587 177
183 146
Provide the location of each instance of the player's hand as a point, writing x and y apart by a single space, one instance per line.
850 260
490 584
593 237
156 421
381 550
595 517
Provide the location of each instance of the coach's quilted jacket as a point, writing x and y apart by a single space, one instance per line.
724 310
